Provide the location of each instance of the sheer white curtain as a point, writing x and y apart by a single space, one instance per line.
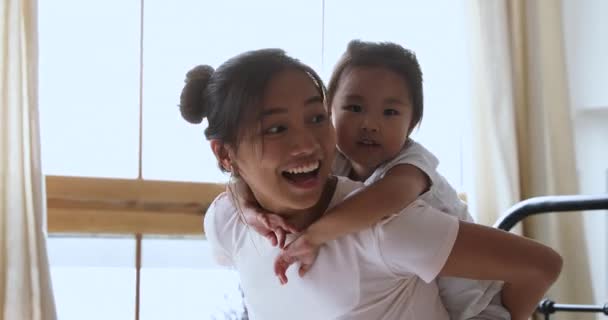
522 129
25 288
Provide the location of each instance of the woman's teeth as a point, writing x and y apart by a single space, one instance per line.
305 168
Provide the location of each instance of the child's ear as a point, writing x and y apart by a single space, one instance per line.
223 154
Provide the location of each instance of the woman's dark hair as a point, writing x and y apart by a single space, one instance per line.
386 55
230 96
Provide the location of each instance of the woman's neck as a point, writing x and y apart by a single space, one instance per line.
301 219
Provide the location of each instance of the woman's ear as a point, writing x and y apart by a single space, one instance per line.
222 154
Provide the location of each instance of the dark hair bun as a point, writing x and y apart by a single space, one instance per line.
192 102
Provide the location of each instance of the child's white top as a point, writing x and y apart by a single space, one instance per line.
383 272
463 298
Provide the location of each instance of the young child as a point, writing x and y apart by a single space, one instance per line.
376 100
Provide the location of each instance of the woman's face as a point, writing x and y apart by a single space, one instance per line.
286 161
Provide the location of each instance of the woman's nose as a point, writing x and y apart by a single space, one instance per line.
304 143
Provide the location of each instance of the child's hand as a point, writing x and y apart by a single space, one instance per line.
303 250
271 226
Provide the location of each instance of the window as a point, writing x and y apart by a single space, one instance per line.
89 71
181 281
93 278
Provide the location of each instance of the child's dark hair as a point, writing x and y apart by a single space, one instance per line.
387 55
230 96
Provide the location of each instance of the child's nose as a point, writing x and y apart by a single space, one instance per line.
369 125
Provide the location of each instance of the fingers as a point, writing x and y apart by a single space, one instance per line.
264 220
272 238
303 251
276 221
304 269
281 235
281 265
298 248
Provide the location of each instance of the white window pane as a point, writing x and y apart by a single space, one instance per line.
89 87
182 34
181 281
436 31
93 278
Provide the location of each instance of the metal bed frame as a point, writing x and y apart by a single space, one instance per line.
555 204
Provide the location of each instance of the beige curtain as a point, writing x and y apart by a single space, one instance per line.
25 287
522 129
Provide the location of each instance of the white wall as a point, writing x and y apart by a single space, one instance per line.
586 41
586 32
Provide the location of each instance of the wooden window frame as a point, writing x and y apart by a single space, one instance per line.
80 205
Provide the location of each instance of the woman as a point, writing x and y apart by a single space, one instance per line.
268 125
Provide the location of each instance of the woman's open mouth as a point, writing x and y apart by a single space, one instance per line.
304 176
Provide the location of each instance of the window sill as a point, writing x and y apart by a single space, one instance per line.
122 206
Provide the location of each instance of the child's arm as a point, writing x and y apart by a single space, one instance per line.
399 187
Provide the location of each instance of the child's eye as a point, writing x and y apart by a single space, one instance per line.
274 130
353 108
391 112
319 118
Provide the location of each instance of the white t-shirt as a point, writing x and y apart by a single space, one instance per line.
463 298
383 272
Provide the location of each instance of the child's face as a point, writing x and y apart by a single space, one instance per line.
287 161
372 113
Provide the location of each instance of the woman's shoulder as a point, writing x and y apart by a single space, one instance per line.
222 221
221 209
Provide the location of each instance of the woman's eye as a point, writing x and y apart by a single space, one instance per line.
353 108
275 130
391 112
319 118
